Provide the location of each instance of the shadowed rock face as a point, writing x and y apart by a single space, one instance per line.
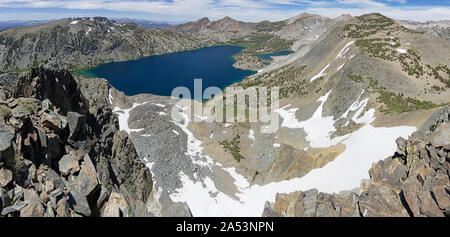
413 182
57 86
58 158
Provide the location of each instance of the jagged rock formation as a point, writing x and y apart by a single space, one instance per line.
81 42
413 182
62 153
436 28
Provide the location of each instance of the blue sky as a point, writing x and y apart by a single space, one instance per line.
247 10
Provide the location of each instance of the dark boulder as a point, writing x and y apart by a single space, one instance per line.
58 86
78 202
77 126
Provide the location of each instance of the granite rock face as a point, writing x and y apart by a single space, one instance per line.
413 182
62 153
135 179
85 42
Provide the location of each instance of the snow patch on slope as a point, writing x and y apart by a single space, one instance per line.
363 147
345 173
402 51
317 128
321 73
251 134
344 50
123 115
340 55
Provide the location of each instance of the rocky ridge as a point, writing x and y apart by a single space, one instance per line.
436 28
62 153
83 42
413 182
257 38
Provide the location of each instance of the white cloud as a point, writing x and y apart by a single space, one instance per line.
361 3
246 10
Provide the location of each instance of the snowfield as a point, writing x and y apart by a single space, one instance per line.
123 115
363 147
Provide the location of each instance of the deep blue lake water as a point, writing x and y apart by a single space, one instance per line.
270 55
161 74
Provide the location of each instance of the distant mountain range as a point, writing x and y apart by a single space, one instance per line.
14 24
145 24
436 28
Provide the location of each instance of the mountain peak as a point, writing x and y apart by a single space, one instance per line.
204 20
227 18
301 15
373 15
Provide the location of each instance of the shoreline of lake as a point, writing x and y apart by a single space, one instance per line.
213 64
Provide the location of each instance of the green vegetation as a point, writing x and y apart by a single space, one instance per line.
384 46
356 78
5 110
386 49
437 88
267 26
372 24
261 42
233 147
369 25
378 47
440 72
398 103
395 102
26 103
344 130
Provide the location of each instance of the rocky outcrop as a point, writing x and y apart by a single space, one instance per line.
58 86
413 182
135 184
160 205
63 156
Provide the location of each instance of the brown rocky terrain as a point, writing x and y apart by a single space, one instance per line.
62 153
413 182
